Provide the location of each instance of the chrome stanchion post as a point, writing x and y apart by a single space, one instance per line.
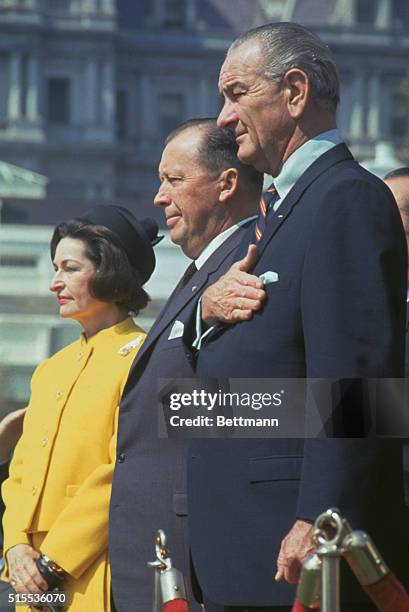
161 563
168 581
330 596
309 585
364 558
333 539
329 532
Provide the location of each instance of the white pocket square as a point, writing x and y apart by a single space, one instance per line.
269 277
177 330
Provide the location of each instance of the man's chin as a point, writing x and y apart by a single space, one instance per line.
245 155
177 237
250 158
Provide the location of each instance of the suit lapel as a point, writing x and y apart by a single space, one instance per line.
165 307
335 155
181 297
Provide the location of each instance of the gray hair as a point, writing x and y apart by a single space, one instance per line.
289 45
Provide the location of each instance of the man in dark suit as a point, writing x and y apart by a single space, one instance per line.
208 198
398 183
331 244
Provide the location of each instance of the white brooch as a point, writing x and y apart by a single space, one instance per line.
127 348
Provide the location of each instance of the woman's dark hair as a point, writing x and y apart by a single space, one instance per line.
115 280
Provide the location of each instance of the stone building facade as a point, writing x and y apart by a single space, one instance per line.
90 88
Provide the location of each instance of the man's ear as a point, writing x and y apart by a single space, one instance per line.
228 184
298 92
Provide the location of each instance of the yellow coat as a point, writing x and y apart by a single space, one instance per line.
58 492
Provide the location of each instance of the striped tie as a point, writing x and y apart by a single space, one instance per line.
265 200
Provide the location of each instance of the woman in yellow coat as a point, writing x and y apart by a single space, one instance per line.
57 495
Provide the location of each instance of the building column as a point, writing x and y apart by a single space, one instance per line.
14 97
76 7
108 93
108 7
30 4
384 17
91 81
357 114
89 6
32 109
288 10
344 12
374 107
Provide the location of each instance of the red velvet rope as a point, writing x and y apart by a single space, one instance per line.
176 605
298 607
387 594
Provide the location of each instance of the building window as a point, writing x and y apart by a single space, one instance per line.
171 112
58 100
400 13
121 114
174 13
18 261
366 11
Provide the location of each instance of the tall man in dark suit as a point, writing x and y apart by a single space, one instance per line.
398 183
332 245
209 198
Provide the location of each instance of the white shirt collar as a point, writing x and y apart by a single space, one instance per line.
218 240
302 158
